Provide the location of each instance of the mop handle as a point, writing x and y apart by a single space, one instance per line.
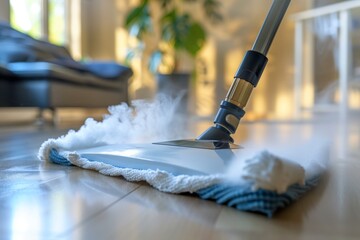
246 78
270 26
255 60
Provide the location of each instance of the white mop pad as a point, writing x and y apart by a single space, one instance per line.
255 168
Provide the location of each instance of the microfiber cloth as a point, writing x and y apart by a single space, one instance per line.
241 197
217 187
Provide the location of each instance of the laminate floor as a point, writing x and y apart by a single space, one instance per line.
41 200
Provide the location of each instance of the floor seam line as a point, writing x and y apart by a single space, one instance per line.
95 214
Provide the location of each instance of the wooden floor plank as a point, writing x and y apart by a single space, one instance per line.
43 200
133 218
53 206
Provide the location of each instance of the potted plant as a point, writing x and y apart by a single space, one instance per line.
178 34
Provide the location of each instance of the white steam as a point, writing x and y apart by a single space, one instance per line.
269 159
144 121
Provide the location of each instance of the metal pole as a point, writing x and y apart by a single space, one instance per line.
298 67
246 78
344 18
344 49
270 26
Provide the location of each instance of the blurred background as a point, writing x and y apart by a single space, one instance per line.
314 62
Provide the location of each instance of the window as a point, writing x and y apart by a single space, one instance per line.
57 22
44 19
25 16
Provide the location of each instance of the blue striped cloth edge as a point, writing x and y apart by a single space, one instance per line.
236 196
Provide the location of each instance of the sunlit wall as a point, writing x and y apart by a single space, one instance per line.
96 31
227 43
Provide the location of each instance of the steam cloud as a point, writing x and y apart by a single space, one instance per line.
147 122
143 122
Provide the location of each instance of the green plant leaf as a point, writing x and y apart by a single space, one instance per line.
134 15
165 3
211 8
178 29
174 28
182 32
138 21
168 17
195 39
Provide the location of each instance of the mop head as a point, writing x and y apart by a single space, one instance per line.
258 180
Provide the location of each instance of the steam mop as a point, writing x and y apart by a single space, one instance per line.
262 183
211 152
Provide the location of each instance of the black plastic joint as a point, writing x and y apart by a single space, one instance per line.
229 116
252 67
